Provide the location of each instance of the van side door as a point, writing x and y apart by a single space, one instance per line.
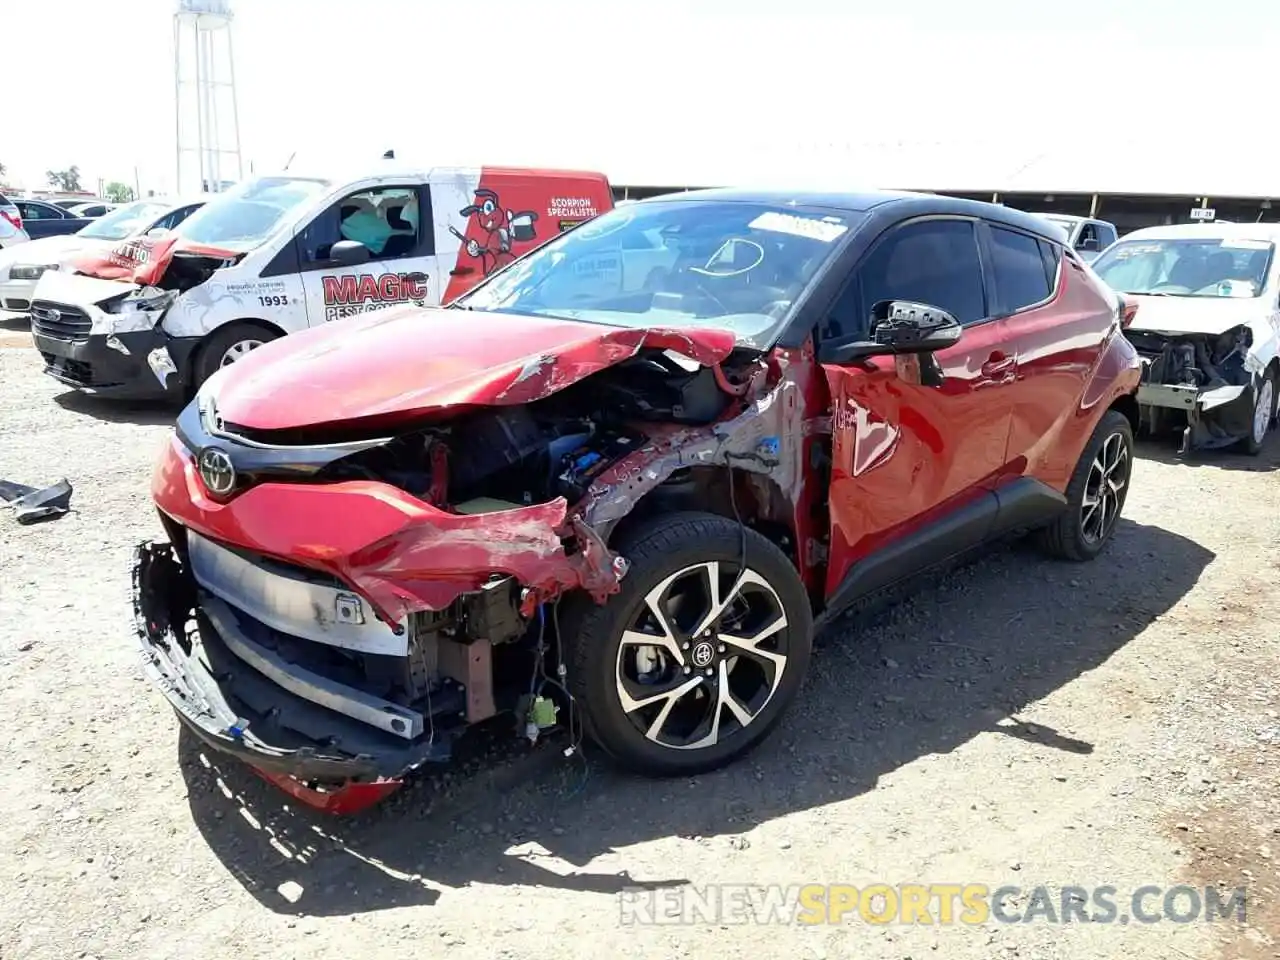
393 224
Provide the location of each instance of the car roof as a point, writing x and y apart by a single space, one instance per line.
865 201
1219 230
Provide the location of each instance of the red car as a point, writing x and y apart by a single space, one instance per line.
614 487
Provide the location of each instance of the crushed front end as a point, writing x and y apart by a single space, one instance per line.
1202 384
337 604
342 631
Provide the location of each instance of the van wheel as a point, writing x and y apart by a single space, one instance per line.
1095 494
698 656
1264 412
227 345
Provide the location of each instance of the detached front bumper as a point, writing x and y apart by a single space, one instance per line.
1215 417
319 755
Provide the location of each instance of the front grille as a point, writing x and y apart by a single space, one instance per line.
59 321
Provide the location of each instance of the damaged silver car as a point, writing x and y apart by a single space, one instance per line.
1207 329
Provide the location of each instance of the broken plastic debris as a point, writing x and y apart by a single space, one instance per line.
31 504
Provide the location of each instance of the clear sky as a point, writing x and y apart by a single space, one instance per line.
619 82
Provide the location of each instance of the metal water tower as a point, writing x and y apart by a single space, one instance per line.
207 122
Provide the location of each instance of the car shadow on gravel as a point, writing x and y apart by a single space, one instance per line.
886 687
143 413
1164 450
19 322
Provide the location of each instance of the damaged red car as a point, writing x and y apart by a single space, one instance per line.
622 479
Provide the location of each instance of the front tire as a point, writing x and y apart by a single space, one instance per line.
1095 494
699 655
1264 412
226 345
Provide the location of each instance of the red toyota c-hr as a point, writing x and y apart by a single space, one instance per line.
620 479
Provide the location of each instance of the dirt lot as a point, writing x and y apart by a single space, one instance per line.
1020 723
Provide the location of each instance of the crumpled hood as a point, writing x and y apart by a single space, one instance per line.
143 260
1209 315
412 360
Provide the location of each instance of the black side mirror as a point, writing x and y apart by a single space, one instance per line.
349 253
899 327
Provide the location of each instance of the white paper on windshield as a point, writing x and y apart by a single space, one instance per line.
1137 250
810 227
1233 244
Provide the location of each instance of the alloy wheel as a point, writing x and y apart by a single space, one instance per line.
237 351
703 657
1103 491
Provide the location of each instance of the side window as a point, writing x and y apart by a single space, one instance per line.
175 217
1106 236
1088 239
1051 254
35 211
929 261
389 221
1018 267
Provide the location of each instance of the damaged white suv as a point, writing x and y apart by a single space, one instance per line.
1207 328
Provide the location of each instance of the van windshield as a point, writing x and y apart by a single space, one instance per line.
740 266
1187 266
248 214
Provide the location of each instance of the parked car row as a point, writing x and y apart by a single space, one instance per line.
21 267
466 443
28 219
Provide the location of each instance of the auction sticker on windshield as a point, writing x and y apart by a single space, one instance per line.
809 227
1234 244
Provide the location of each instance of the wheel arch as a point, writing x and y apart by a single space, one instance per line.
201 347
252 322
734 493
1127 404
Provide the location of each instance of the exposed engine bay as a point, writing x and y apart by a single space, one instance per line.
506 457
1199 383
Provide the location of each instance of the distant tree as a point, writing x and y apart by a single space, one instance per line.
118 192
67 180
2 169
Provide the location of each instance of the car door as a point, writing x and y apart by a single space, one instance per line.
1060 325
394 223
916 444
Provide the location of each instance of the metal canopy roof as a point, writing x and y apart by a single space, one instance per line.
1217 167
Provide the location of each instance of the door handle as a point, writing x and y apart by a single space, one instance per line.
998 364
461 271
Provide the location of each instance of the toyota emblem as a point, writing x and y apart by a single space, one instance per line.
703 654
217 471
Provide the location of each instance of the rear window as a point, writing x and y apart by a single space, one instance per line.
4 201
1018 262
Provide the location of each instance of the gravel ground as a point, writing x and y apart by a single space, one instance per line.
1021 722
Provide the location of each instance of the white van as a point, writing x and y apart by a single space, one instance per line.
277 254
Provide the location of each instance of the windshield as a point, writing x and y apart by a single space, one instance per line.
1187 267
674 263
248 214
124 221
